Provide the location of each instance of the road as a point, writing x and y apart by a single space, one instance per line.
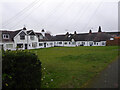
108 78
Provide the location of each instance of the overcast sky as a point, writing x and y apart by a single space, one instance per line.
59 16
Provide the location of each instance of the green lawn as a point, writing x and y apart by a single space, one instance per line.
72 67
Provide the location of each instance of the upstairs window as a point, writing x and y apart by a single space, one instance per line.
40 37
22 37
32 37
5 36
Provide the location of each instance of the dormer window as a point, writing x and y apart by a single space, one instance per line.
32 37
5 36
40 37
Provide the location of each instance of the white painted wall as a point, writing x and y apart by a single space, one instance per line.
47 44
27 40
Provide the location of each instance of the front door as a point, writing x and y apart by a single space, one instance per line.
44 44
25 46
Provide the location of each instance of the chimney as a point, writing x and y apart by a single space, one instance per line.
75 32
43 32
90 31
67 33
99 29
24 28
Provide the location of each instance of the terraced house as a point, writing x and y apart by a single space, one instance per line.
28 39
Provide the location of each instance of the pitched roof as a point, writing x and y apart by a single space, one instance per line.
63 37
114 33
102 36
90 36
12 34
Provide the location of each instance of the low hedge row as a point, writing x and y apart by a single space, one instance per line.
20 69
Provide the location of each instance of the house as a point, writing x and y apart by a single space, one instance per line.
113 41
85 39
28 39
21 39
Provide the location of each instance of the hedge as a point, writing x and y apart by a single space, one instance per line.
21 69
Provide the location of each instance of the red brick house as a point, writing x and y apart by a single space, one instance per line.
114 42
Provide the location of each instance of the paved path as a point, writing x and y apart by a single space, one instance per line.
108 78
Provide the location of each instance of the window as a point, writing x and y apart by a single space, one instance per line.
40 44
111 38
5 36
51 44
9 45
32 37
73 43
90 43
65 43
69 42
20 45
103 43
83 43
22 37
40 37
34 44
60 42
94 42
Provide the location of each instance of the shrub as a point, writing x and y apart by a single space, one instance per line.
21 69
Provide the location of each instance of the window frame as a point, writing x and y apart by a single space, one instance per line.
22 37
32 37
60 42
8 46
4 36
41 44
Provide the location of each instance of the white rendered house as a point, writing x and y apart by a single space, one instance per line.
28 39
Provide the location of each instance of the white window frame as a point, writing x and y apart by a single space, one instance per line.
40 44
60 42
4 36
32 37
8 46
34 44
22 37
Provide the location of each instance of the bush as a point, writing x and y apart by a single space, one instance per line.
21 69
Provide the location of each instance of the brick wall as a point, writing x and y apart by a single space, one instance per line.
114 42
